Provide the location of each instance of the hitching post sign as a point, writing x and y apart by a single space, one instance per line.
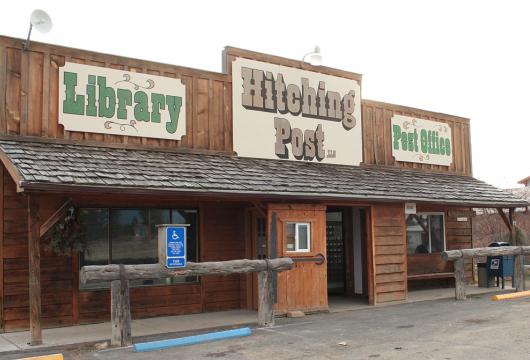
172 245
108 101
421 141
281 112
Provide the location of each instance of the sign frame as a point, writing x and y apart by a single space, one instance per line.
172 248
297 127
103 100
421 141
410 208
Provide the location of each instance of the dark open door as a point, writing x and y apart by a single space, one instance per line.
336 251
258 233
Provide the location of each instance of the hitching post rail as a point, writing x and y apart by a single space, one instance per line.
119 276
458 257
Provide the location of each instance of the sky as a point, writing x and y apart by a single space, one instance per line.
465 58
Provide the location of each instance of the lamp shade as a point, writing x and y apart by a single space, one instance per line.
314 57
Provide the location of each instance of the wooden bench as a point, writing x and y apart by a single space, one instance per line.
428 267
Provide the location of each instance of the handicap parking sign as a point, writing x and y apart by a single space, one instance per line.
176 262
175 246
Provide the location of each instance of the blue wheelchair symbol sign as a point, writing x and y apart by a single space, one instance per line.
176 246
176 241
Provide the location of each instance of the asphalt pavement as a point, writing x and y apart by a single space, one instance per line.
477 328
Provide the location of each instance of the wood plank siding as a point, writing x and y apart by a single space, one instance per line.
391 263
29 108
29 104
389 249
377 137
458 235
221 238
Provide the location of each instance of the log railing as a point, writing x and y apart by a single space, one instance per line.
119 276
458 257
318 259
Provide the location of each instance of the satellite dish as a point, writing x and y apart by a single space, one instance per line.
41 21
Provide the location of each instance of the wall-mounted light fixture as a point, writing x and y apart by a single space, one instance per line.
41 21
314 57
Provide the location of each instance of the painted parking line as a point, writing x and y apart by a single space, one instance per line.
45 357
191 340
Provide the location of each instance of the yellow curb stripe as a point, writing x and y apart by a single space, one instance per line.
45 357
510 296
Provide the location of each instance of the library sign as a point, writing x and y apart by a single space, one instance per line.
281 112
421 141
108 101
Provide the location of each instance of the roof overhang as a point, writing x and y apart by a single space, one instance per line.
250 195
71 168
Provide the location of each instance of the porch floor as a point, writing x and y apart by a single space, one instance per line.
15 341
339 303
447 293
342 303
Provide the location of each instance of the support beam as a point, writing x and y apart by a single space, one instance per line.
259 208
511 219
518 272
12 170
504 218
56 216
34 271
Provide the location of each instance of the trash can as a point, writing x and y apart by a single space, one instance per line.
482 271
499 266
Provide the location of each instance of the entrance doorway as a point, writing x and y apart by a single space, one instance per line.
335 251
346 248
256 232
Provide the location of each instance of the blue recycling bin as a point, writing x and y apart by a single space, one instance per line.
499 266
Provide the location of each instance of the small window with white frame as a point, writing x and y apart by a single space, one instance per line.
298 237
425 233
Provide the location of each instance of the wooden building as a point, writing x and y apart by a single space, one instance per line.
271 157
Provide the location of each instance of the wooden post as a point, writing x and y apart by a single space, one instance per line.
119 276
460 280
265 306
518 272
34 272
120 311
513 229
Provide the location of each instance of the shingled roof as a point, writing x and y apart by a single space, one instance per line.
69 167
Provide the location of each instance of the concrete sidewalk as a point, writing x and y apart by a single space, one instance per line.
341 303
449 293
92 333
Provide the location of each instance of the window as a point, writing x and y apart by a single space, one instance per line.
130 236
298 237
425 233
